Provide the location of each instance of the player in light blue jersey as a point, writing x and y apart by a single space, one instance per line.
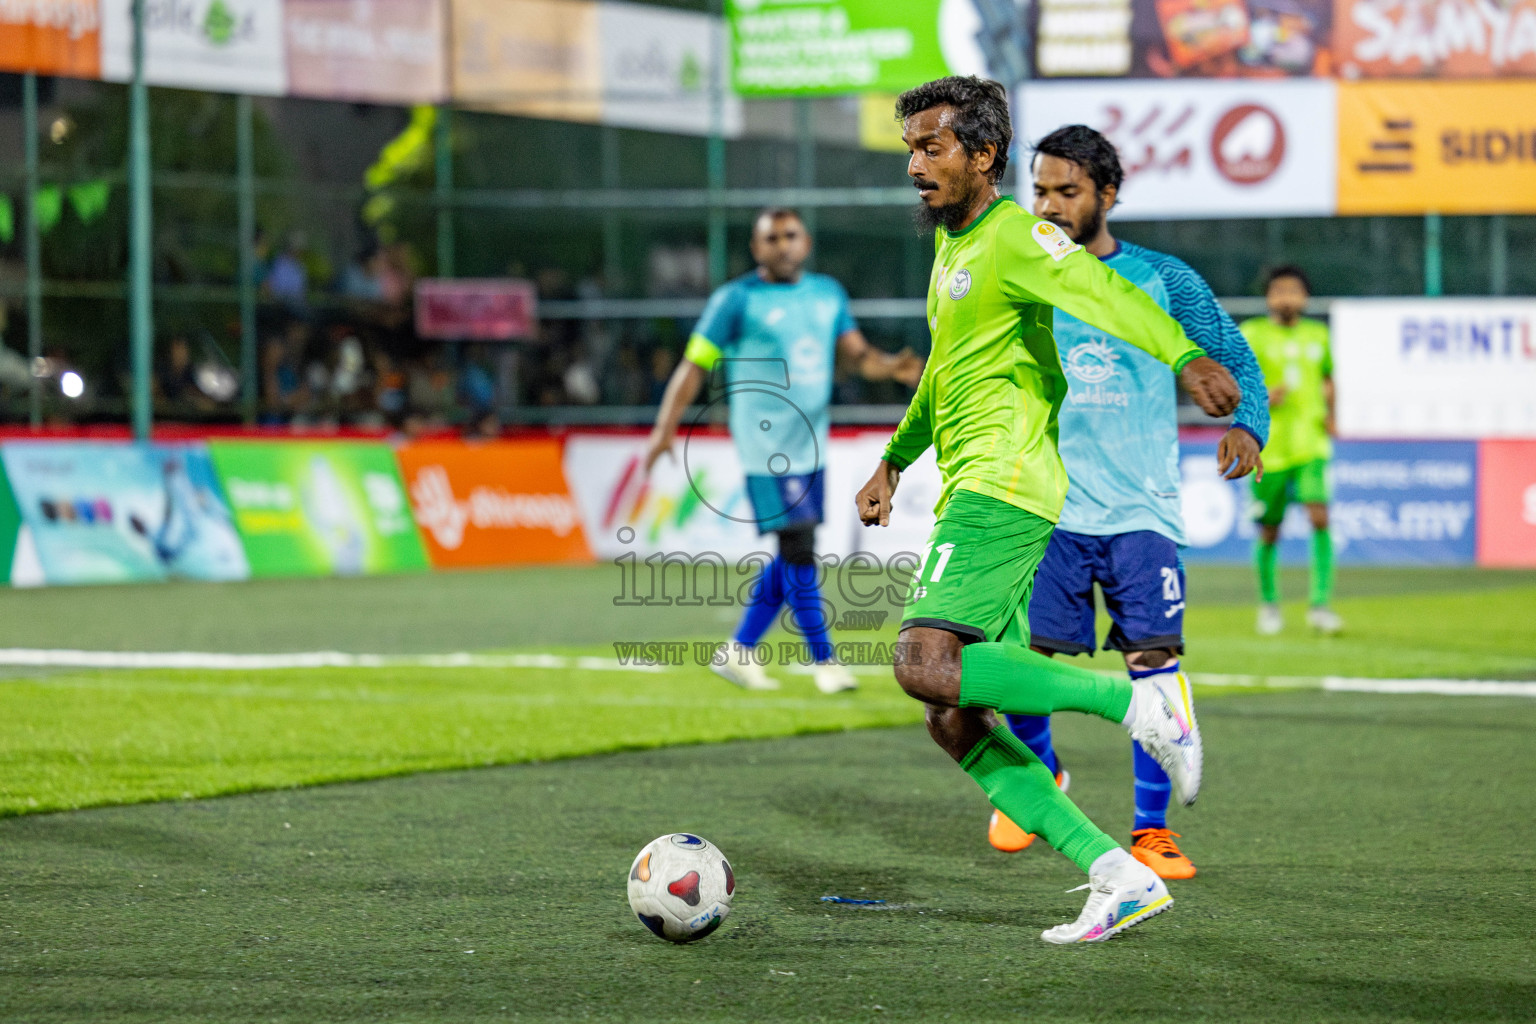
1122 526
776 334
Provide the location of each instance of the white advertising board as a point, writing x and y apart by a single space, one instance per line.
1435 368
1203 148
218 45
657 68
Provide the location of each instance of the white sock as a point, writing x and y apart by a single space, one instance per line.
1104 863
1130 712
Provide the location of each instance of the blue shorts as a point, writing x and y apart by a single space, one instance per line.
785 502
1141 576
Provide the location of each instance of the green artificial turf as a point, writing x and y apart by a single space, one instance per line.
75 738
1362 858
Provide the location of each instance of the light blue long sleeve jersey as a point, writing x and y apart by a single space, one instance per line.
1119 424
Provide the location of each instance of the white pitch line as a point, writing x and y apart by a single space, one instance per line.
33 657
1444 687
44 658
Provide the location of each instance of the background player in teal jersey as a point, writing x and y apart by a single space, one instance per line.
776 333
1122 526
1298 363
988 403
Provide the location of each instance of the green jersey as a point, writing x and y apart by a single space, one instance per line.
993 387
1298 359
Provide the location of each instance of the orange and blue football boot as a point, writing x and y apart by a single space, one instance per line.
1155 848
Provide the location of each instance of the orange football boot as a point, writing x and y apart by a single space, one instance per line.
1004 835
1155 848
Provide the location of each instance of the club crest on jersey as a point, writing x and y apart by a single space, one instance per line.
1053 240
960 284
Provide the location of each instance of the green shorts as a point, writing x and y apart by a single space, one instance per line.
978 569
1306 483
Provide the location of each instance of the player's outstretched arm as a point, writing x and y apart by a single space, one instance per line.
872 363
682 390
1036 263
874 498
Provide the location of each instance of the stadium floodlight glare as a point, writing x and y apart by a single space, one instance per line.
71 384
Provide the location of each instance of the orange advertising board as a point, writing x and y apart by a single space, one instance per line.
1437 146
493 503
1506 504
1434 38
51 37
536 58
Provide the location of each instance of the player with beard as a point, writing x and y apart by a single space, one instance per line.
988 402
1122 527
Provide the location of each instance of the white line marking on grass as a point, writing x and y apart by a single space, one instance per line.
1443 687
42 658
203 660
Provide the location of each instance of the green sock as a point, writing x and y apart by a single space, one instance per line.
1322 569
1017 681
1265 559
1020 786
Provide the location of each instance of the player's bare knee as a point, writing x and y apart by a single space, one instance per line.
1269 534
928 665
1318 514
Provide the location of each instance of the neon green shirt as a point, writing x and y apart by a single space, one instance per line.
1299 359
993 387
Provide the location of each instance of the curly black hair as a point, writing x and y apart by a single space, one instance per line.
1087 148
981 106
1287 270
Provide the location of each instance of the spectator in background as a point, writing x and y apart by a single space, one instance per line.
360 280
282 384
580 378
625 382
287 280
430 389
389 398
477 385
175 380
662 361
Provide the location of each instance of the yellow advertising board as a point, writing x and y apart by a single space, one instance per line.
1449 147
538 58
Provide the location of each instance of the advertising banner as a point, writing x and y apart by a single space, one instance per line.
1183 38
102 512
658 66
51 37
218 45
1451 147
376 51
1435 368
476 309
537 58
1506 504
498 503
308 508
696 502
1435 38
789 47
1394 503
1206 149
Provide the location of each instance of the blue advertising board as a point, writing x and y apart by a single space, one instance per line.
1394 503
105 512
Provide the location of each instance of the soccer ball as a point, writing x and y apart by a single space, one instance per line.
680 887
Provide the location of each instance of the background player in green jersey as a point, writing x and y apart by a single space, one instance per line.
1294 354
988 403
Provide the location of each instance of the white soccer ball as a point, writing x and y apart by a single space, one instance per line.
680 887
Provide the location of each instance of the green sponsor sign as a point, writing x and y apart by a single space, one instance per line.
318 508
795 47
